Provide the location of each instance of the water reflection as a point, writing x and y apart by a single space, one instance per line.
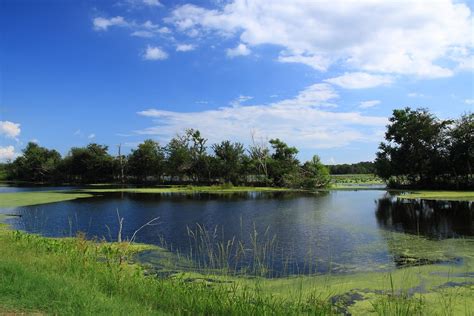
297 233
436 219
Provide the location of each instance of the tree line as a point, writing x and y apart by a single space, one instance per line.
423 151
363 167
185 159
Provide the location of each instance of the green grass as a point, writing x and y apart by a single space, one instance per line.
440 195
355 179
189 189
77 276
17 199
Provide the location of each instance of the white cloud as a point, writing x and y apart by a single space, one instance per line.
318 94
368 104
7 153
146 34
412 37
469 101
239 50
241 99
185 47
152 3
360 80
415 95
91 136
102 24
155 53
9 129
317 62
299 121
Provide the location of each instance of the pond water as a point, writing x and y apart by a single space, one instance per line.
336 231
13 189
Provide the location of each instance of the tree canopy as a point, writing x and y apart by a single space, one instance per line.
421 150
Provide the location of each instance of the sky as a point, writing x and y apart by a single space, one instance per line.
323 76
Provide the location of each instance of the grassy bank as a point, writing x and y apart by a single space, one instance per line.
440 195
77 276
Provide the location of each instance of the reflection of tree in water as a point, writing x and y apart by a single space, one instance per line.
439 219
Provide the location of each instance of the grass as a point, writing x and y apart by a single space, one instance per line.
76 276
440 195
351 181
79 276
190 189
17 199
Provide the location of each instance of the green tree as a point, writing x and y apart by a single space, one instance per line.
178 157
37 164
283 164
414 151
148 160
91 164
229 160
461 149
314 174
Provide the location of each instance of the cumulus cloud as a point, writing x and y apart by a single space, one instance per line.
7 153
239 50
300 121
146 29
368 104
360 80
9 129
411 37
469 101
241 99
185 47
154 53
102 24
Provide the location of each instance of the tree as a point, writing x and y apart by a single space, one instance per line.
37 164
91 164
200 162
461 149
314 174
414 151
229 159
178 157
146 161
283 163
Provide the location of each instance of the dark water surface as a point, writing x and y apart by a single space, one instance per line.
292 233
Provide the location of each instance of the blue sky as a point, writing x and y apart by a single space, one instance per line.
323 76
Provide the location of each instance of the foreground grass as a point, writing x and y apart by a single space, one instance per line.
77 276
440 195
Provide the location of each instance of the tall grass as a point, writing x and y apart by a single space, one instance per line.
78 276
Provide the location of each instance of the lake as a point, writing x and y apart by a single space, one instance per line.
288 233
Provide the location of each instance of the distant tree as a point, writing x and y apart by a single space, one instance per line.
259 157
414 151
178 157
37 164
148 160
314 174
363 167
283 163
200 160
461 149
229 160
91 164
